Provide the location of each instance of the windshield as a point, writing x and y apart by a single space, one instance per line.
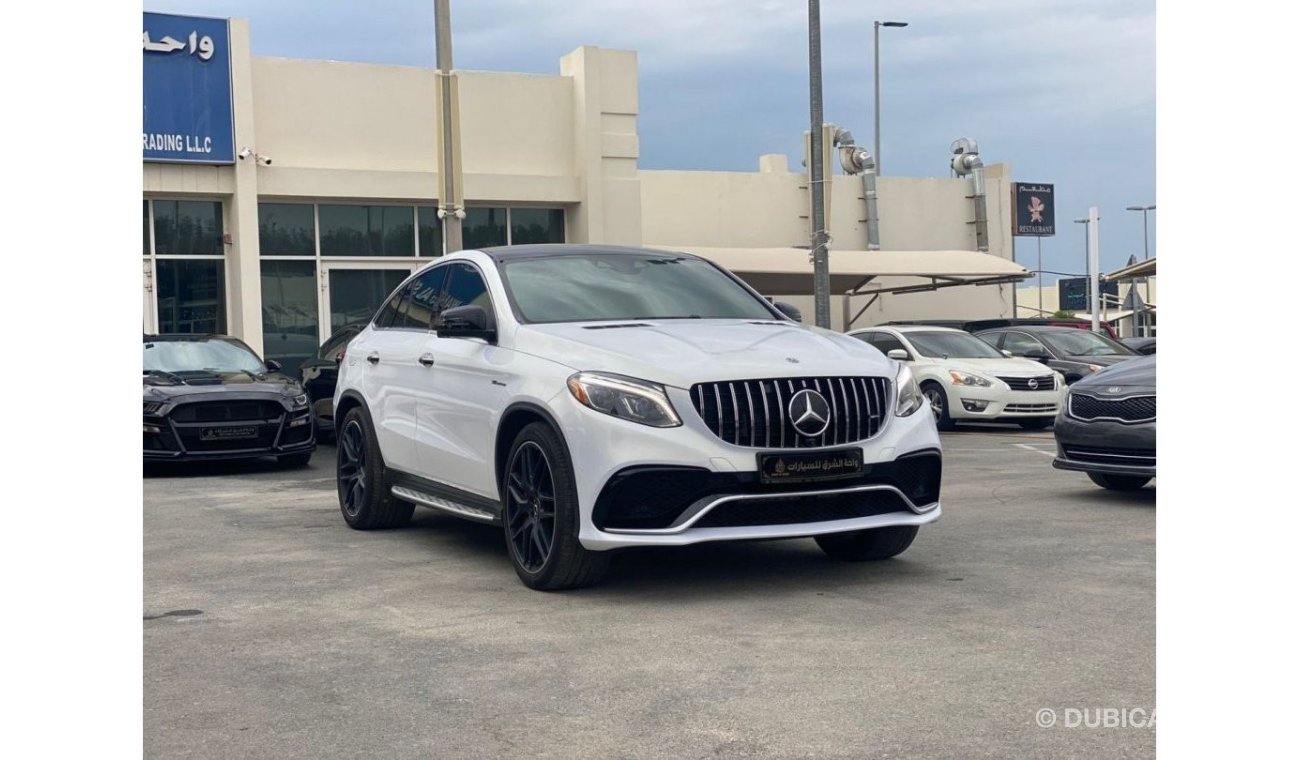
181 356
951 345
1083 343
609 286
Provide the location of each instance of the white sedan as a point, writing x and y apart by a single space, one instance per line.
966 379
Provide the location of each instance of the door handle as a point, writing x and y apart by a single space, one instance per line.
373 358
426 360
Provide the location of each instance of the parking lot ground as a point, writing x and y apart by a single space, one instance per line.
272 630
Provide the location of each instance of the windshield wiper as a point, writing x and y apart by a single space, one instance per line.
164 373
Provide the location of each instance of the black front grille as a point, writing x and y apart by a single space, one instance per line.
807 509
1133 409
226 411
1095 455
754 413
263 438
1042 383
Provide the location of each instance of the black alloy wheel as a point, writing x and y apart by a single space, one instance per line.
364 495
530 506
352 469
540 515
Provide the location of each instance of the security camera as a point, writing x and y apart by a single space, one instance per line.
265 160
245 153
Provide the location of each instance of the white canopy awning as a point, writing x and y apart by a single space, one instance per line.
1144 268
789 271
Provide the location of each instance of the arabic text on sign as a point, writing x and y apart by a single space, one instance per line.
203 46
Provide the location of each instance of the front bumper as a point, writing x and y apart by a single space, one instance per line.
254 426
710 489
969 402
1105 446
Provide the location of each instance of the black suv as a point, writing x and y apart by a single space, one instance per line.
212 397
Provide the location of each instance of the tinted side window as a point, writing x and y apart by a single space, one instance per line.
1019 344
467 287
886 343
423 303
389 310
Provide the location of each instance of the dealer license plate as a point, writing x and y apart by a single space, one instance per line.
227 433
804 466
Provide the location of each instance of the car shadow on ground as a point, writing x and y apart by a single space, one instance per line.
1101 497
708 569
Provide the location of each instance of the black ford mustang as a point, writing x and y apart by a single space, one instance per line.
212 397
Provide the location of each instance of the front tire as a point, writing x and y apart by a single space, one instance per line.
539 500
364 495
1119 482
864 545
938 404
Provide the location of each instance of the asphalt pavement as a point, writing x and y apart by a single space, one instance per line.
273 630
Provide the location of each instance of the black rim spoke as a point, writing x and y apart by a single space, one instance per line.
530 506
352 469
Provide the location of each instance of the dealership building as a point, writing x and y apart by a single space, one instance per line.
285 198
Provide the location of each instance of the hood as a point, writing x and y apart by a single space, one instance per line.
994 367
1135 374
683 352
1104 360
163 387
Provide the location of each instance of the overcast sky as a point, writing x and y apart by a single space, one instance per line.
1063 90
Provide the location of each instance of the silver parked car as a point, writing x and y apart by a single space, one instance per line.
1107 427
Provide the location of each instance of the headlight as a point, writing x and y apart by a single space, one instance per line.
625 397
966 378
299 401
909 395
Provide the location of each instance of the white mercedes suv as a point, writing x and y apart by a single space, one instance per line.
587 398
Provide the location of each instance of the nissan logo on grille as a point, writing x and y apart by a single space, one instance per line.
809 413
1033 384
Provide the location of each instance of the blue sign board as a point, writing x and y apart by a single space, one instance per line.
188 111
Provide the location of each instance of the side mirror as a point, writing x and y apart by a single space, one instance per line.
1006 353
900 354
788 310
273 366
470 321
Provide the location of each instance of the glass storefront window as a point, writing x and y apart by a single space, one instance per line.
355 294
191 296
290 317
430 231
146 228
187 228
286 229
536 225
367 230
484 227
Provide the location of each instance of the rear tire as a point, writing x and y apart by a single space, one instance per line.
539 511
1119 482
873 544
934 393
365 497
1035 424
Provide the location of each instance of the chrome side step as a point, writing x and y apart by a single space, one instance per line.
442 503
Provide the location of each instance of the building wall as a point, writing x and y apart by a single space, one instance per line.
353 132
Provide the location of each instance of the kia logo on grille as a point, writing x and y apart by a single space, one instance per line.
1033 384
809 413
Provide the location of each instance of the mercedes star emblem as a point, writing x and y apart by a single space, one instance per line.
809 413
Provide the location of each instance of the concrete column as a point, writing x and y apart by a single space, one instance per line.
605 145
243 265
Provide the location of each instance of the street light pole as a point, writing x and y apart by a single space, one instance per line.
1146 251
1086 227
817 172
876 49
